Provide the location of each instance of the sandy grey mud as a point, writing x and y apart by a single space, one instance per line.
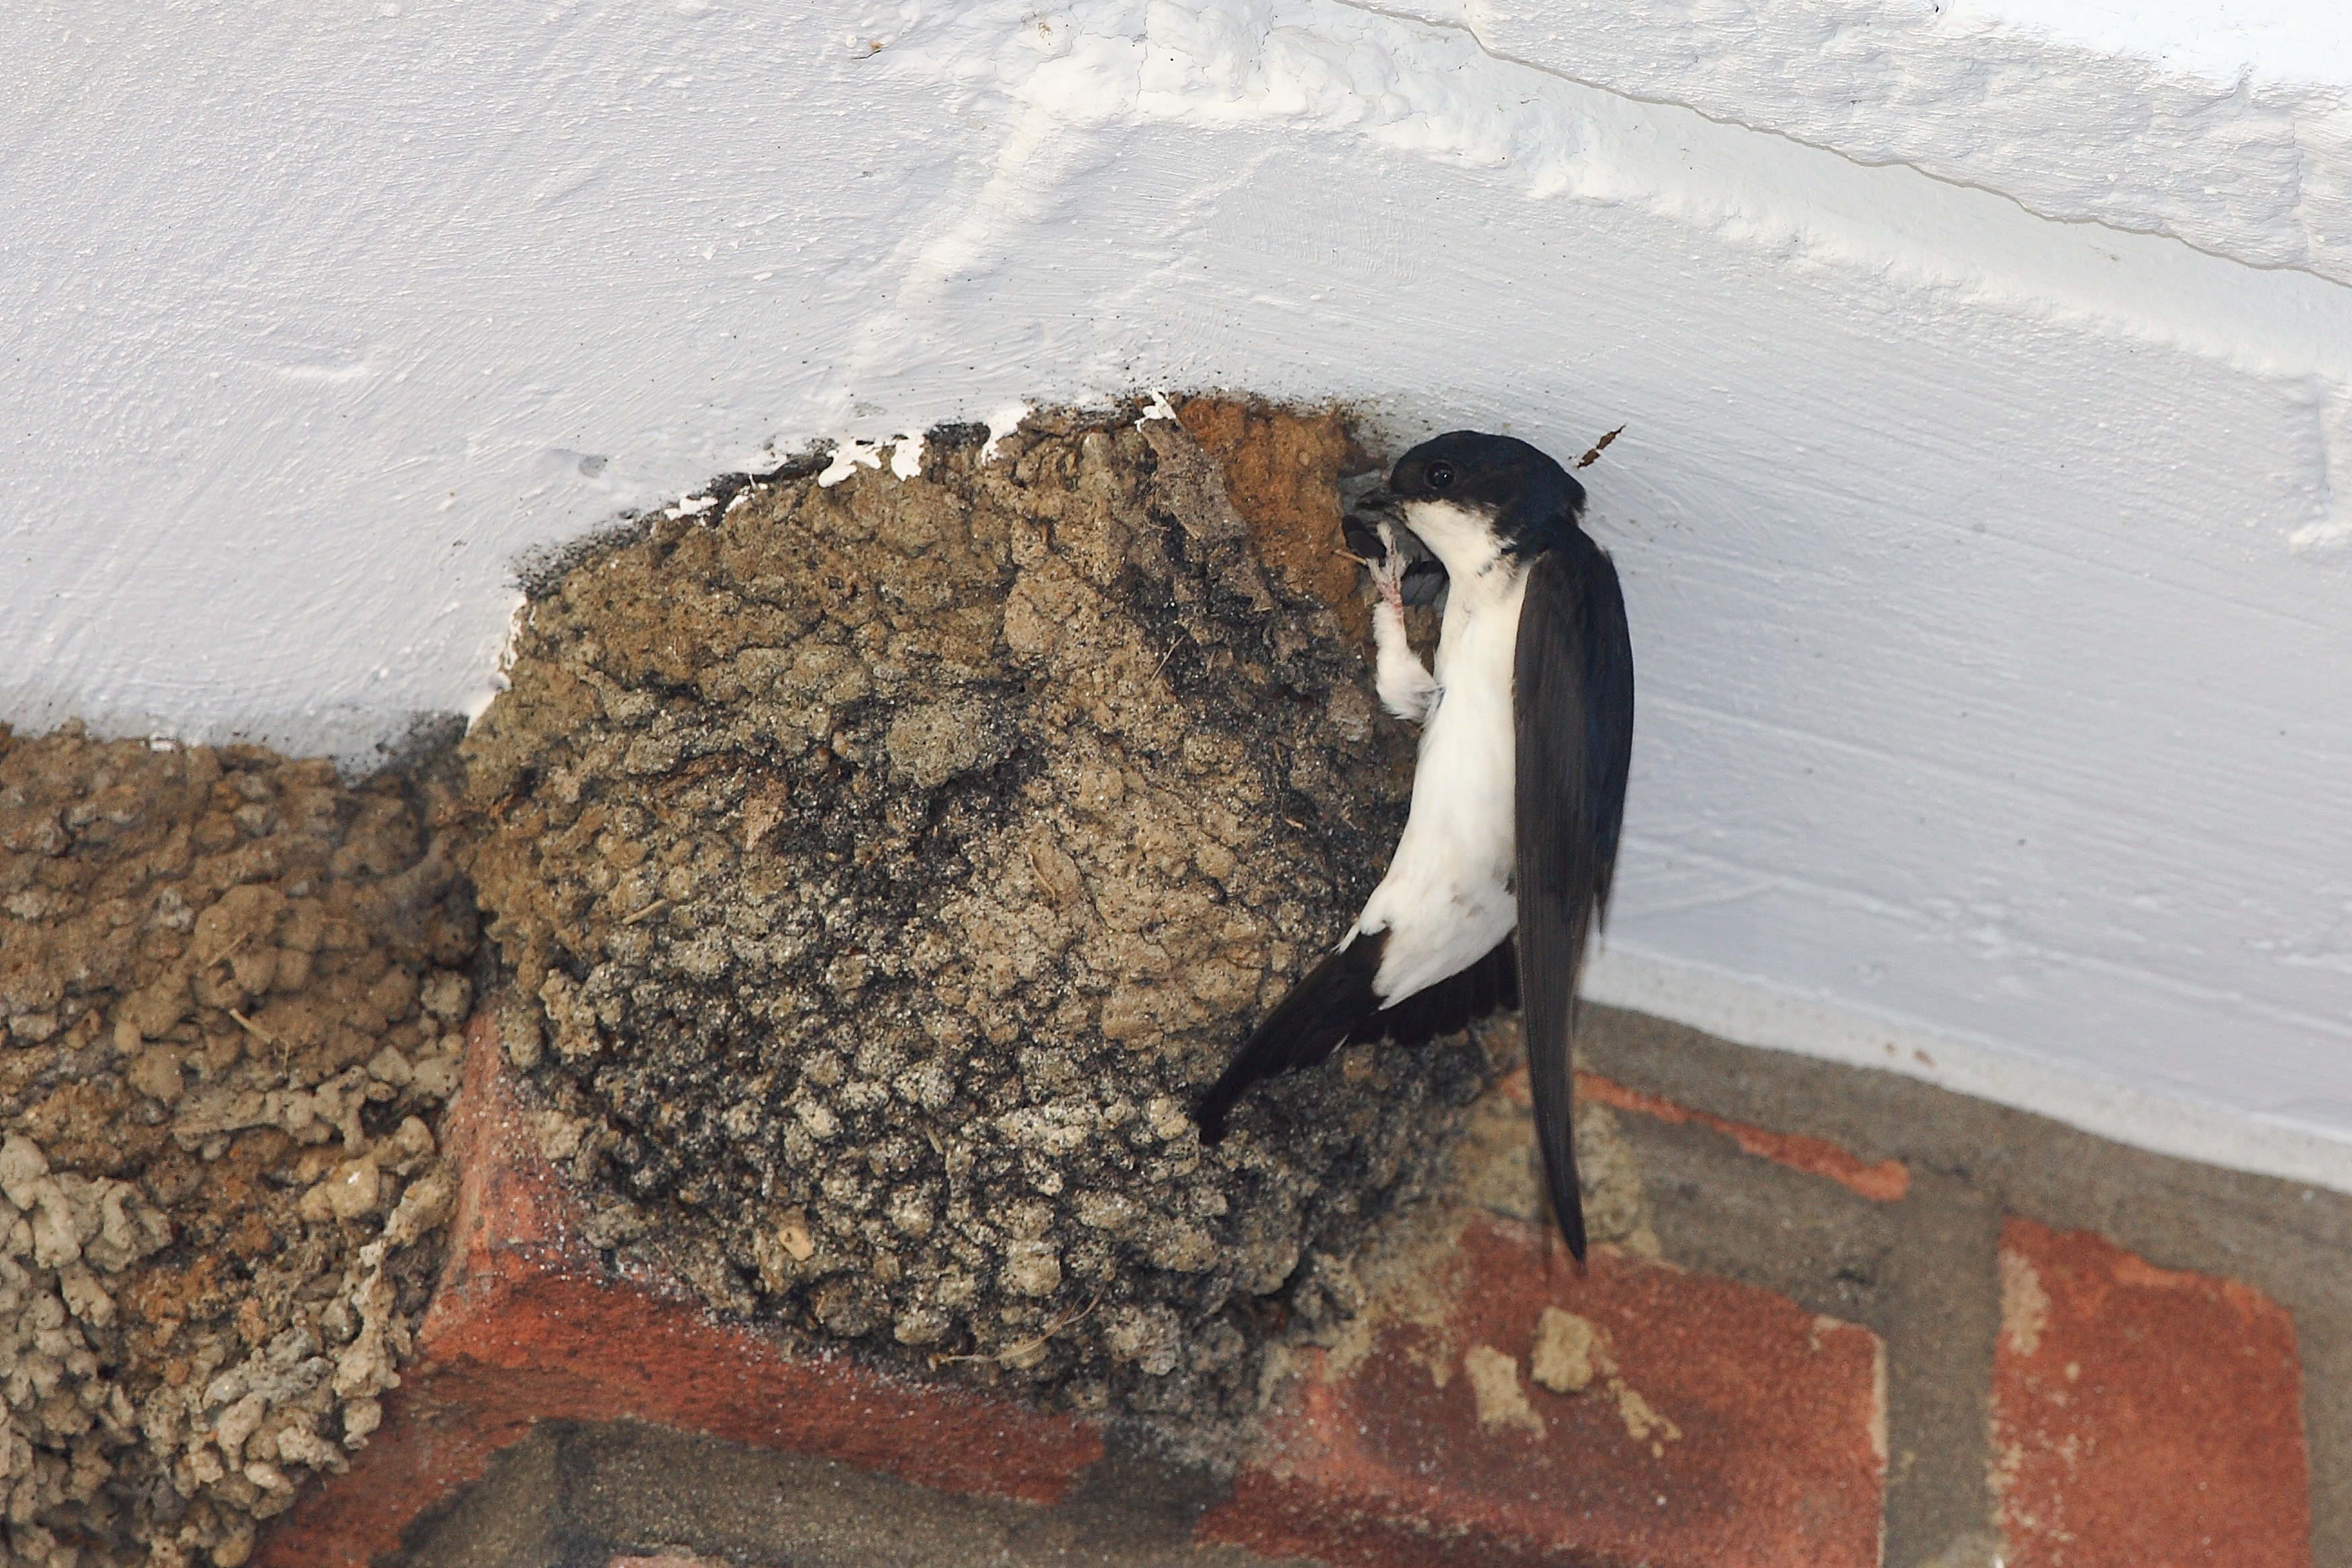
1922 1271
894 862
576 1496
232 986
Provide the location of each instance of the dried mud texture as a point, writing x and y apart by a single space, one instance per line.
231 989
1279 467
894 863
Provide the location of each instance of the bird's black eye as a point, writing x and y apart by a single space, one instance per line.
1438 474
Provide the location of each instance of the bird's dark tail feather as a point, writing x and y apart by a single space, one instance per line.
1489 986
1307 1025
1336 1006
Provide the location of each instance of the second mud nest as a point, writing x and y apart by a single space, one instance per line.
892 863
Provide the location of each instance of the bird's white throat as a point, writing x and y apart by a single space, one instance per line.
1464 540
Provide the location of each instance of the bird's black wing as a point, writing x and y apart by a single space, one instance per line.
1489 986
1572 699
1334 1004
1316 1018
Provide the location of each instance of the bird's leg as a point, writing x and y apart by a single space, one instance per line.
1406 688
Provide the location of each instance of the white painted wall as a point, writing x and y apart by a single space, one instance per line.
1985 503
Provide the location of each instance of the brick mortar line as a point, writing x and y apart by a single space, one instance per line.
1884 1182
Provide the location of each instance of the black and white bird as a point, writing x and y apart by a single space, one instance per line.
1519 788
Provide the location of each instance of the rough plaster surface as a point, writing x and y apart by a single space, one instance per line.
1982 508
2230 131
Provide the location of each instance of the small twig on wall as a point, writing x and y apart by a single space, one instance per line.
1599 446
258 1033
648 913
1026 1346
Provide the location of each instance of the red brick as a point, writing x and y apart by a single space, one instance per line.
527 1325
1724 1427
2142 1418
1884 1182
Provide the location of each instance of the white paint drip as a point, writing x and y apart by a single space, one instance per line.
1001 423
1160 408
2329 536
477 701
907 457
849 454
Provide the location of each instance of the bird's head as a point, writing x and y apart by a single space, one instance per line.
1468 483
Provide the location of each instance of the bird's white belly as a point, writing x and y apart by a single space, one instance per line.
1446 900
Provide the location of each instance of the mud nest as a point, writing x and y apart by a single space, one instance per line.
892 863
230 987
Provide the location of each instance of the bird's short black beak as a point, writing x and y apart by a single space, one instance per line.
1361 526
